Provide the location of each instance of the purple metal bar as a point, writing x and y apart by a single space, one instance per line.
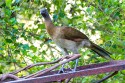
81 71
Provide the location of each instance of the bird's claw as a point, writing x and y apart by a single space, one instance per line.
75 67
61 71
73 70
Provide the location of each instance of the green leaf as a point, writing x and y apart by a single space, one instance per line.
88 9
41 25
1 3
14 60
106 10
42 36
24 52
9 40
1 48
7 12
117 14
16 8
25 46
55 17
65 21
8 3
13 21
17 1
114 46
62 14
17 51
33 48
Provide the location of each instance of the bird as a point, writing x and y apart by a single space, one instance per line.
70 39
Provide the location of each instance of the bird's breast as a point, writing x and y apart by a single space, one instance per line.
67 44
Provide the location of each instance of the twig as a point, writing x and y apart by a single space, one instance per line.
38 64
103 79
12 76
68 80
5 76
70 58
32 65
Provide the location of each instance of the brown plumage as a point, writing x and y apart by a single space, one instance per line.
68 38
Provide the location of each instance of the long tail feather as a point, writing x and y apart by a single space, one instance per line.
100 51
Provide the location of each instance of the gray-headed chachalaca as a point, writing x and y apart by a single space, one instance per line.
71 39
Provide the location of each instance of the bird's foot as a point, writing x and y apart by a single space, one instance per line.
74 70
61 71
75 67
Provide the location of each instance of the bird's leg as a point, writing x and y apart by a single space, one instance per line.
65 52
76 63
61 69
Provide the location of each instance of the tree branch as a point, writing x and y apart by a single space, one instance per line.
5 76
69 58
60 60
32 65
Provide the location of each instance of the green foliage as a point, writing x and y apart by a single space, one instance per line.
23 39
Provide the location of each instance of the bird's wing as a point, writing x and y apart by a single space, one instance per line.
73 34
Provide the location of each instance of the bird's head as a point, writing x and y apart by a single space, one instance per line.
44 12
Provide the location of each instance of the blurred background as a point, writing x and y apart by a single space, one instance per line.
23 37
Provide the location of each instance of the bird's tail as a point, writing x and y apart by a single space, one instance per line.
101 52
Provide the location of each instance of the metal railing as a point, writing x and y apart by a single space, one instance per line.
86 70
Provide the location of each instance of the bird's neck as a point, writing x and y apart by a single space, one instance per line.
49 26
